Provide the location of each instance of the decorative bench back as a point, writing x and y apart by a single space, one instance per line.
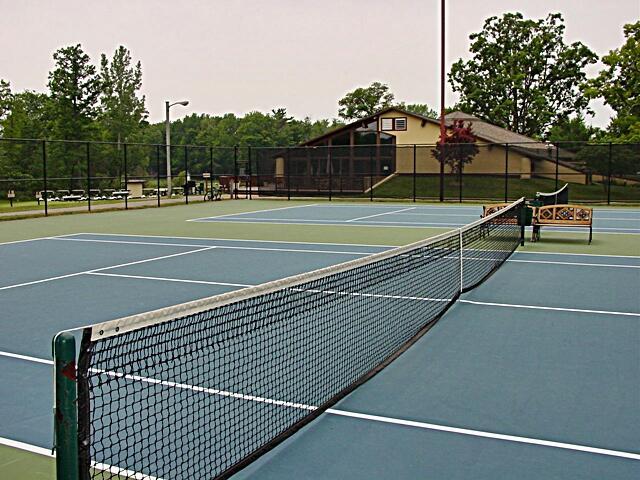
489 209
564 214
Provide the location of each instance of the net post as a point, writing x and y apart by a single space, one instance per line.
66 413
461 260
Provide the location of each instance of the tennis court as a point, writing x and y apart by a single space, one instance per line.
606 220
534 373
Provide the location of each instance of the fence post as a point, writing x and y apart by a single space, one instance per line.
186 175
250 172
44 177
158 173
88 176
414 171
258 174
330 173
288 175
442 171
506 172
126 180
66 413
557 164
234 194
371 174
609 172
211 172
461 166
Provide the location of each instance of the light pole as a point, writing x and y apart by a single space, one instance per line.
184 103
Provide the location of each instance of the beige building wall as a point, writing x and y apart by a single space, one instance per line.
418 130
547 169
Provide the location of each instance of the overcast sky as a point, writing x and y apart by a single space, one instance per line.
304 55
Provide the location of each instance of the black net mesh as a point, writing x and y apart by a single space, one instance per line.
202 395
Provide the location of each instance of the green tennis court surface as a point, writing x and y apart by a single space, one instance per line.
533 374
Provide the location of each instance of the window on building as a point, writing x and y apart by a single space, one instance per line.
393 123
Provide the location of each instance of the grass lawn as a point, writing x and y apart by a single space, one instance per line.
492 188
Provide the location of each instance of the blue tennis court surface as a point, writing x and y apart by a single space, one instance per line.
534 374
605 220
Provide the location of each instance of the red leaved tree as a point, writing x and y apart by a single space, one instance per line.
459 146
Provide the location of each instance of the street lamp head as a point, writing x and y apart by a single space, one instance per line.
184 103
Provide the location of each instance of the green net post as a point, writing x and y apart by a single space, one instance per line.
66 413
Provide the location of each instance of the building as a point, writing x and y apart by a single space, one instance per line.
395 142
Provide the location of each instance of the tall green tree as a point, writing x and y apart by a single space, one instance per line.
5 99
619 85
571 130
123 108
522 75
74 89
365 101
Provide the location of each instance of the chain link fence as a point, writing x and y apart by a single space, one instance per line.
48 174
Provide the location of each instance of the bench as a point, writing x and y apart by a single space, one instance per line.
561 216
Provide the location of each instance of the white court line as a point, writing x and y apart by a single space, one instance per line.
374 418
59 277
253 211
519 252
492 435
237 240
228 247
379 224
349 253
35 239
27 447
379 214
577 254
555 309
581 264
164 279
304 222
17 356
440 215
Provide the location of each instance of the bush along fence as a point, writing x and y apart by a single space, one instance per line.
44 174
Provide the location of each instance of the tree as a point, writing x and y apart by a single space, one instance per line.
74 88
619 85
572 133
419 108
365 101
460 146
522 76
5 98
123 110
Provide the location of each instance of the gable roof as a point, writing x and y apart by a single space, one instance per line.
364 120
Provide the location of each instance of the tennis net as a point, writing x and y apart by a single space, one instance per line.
200 390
